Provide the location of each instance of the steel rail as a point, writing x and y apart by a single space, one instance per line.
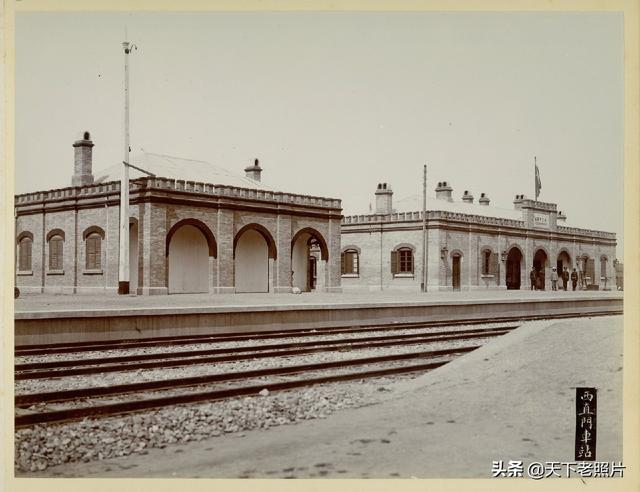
240 336
248 348
314 348
60 416
75 394
197 339
65 347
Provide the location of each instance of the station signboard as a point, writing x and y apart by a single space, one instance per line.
541 220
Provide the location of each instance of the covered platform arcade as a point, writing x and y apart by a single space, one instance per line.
194 228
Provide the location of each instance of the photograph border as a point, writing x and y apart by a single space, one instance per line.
631 371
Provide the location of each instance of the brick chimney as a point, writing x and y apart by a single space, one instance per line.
444 191
517 201
253 172
467 197
83 161
484 199
384 199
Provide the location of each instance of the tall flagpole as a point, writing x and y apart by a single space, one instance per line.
535 178
123 269
424 230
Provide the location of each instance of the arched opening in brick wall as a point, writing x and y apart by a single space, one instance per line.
188 261
308 268
254 248
540 265
514 266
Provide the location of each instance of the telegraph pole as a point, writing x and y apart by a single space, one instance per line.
424 230
123 268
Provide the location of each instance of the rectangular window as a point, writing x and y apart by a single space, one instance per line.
55 253
24 260
406 261
486 262
94 252
350 262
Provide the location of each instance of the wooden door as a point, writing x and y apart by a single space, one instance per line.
311 273
455 274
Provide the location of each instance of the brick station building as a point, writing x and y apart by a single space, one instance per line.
194 227
469 245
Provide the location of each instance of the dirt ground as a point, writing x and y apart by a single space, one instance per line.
512 399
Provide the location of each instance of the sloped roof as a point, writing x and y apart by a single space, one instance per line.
178 168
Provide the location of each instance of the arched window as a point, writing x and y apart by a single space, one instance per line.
93 251
56 245
486 262
350 262
93 237
402 261
25 245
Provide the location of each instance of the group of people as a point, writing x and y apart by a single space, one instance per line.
537 279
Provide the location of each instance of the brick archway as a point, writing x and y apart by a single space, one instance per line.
322 243
264 232
211 240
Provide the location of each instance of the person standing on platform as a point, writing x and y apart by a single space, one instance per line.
574 279
532 276
554 279
539 280
565 278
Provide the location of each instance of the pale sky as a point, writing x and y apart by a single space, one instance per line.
333 103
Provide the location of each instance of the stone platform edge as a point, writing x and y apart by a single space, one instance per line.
96 325
168 311
258 308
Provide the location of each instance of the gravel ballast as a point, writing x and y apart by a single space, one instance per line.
159 349
43 446
125 377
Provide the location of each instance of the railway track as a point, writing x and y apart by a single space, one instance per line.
76 347
103 410
60 396
89 402
71 347
39 370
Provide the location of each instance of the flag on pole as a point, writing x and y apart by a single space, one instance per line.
538 182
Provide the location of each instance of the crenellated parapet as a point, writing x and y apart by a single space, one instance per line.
432 215
586 232
176 185
474 219
70 192
536 205
471 219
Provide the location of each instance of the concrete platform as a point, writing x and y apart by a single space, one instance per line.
512 399
53 319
